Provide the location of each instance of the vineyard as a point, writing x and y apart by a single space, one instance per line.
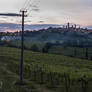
56 72
78 52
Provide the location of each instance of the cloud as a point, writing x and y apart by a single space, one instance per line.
57 11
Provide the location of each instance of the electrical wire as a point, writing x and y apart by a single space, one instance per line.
26 5
33 7
30 6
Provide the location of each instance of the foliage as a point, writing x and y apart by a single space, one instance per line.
46 47
35 48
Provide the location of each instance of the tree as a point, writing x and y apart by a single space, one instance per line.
35 48
47 47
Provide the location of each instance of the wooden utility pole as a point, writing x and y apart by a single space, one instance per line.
22 47
22 39
68 25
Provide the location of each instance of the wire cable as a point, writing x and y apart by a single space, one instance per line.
26 4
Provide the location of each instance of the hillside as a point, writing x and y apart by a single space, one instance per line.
47 64
9 78
52 35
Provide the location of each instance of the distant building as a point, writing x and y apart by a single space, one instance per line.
10 38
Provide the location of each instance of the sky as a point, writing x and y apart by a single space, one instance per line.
50 11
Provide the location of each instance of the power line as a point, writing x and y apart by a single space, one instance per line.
28 4
26 1
25 4
32 7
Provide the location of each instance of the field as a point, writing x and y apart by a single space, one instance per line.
56 72
9 78
78 52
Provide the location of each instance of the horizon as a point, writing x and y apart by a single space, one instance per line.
13 27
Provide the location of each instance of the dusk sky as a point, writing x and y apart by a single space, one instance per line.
50 11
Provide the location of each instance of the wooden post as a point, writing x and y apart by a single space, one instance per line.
22 47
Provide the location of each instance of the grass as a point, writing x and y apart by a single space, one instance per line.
8 79
70 51
50 64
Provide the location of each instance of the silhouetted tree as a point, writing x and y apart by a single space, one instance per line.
46 47
35 48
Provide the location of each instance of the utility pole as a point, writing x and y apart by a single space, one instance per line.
22 38
68 25
22 47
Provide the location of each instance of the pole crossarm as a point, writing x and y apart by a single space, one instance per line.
24 12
